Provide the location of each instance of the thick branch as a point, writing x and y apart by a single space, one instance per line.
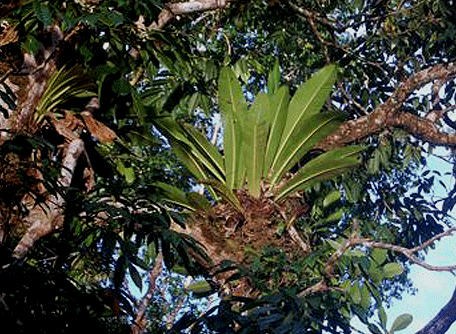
22 120
48 217
171 10
443 320
389 114
139 326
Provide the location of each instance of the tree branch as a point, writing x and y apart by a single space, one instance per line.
355 240
48 217
389 114
171 10
139 325
443 320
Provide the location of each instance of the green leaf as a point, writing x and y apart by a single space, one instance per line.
180 270
365 297
379 255
277 119
42 12
355 293
226 193
374 329
305 136
241 69
391 270
199 287
255 135
129 175
233 107
127 172
401 322
208 153
175 196
383 317
192 149
63 85
358 4
307 101
274 79
135 276
325 166
334 217
332 197
121 87
194 166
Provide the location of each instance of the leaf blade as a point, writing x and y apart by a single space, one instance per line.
255 134
277 119
401 322
322 167
306 135
307 101
233 107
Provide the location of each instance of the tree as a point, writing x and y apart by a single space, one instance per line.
148 61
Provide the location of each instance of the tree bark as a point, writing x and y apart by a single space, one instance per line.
390 114
140 324
48 217
171 10
443 320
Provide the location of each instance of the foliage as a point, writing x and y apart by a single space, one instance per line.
263 142
152 80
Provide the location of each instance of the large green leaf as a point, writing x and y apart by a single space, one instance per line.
274 79
226 193
390 270
307 134
307 101
233 107
199 154
310 97
190 201
183 152
255 134
64 85
213 160
278 108
323 167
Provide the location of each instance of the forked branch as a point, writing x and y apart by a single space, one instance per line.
355 240
391 114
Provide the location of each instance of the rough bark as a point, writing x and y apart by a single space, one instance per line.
443 320
140 324
22 120
390 114
172 10
48 216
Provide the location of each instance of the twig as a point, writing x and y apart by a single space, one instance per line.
6 75
355 240
350 99
297 238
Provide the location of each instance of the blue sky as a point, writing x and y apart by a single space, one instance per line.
434 288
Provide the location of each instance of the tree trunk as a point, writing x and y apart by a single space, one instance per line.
443 320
